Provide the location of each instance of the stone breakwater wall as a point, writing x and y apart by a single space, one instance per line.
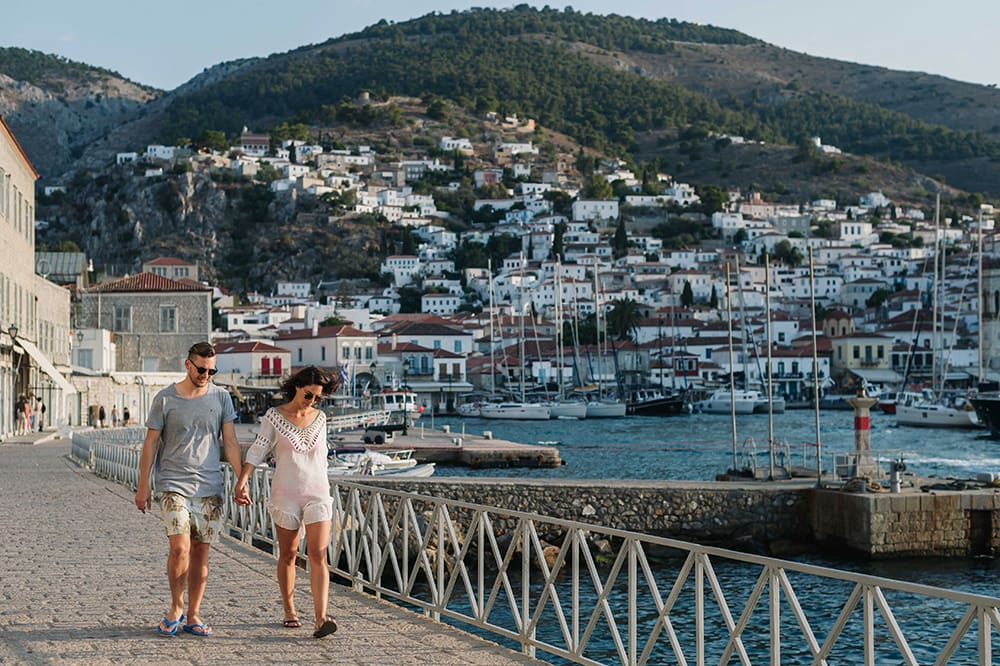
910 524
758 518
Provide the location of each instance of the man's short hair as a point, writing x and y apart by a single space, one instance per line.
202 349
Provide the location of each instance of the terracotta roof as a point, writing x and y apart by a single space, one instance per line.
244 347
148 282
325 332
167 261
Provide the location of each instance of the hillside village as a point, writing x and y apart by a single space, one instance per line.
661 314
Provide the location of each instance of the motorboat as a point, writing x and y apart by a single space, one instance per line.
523 411
398 402
470 409
656 402
938 412
775 404
373 463
724 401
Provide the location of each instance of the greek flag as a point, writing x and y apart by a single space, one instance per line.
344 372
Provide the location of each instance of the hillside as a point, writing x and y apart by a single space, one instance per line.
606 80
58 107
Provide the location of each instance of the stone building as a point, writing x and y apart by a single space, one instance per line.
34 313
154 319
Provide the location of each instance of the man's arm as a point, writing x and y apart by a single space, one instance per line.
143 497
231 449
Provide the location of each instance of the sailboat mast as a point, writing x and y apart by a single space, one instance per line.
812 301
770 389
979 299
935 345
493 365
732 369
520 306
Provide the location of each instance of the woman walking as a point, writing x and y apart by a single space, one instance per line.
295 434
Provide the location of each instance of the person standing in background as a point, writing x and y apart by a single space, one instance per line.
114 416
126 416
41 414
101 416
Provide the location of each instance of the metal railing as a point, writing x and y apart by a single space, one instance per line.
593 595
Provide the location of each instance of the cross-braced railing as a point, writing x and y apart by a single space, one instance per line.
595 595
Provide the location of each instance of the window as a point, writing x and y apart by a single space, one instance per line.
458 346
168 319
300 354
322 353
85 358
276 365
265 366
123 319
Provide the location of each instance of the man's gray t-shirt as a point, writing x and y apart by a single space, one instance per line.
187 458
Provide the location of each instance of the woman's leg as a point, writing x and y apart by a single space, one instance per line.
288 544
317 542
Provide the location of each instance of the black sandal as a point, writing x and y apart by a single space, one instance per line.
293 623
328 627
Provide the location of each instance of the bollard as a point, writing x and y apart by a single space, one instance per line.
897 467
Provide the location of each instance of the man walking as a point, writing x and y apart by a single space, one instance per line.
186 422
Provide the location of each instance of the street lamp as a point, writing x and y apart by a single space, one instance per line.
12 332
406 406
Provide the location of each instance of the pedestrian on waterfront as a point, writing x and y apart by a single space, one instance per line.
114 416
29 416
41 414
126 416
20 416
185 424
295 434
101 415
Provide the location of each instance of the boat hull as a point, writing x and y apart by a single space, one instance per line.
664 406
516 411
605 410
988 409
937 416
568 409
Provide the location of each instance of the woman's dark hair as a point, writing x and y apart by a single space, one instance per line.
308 376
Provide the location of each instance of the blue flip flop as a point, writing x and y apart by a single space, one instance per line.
198 629
171 625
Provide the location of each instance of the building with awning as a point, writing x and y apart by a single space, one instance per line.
45 365
34 312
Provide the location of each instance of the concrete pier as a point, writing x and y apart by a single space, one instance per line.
454 448
82 581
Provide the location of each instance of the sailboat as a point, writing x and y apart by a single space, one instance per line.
561 407
659 401
518 410
932 408
603 407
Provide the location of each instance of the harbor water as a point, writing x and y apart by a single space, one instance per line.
699 446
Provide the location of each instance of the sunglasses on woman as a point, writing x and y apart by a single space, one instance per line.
312 397
201 371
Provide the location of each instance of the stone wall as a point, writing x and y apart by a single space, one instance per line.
909 524
759 518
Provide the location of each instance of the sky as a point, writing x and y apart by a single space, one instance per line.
164 44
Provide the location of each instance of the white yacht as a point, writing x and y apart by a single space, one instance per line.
724 401
605 409
524 411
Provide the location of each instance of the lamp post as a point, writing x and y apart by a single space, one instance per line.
141 382
406 406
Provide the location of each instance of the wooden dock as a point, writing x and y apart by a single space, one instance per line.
455 448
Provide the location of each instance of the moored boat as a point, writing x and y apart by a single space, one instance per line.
988 410
654 402
525 411
944 412
724 401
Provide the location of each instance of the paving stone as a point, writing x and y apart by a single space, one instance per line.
82 581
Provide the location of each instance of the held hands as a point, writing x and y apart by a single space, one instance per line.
241 495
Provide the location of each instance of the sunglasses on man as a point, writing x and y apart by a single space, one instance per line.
201 370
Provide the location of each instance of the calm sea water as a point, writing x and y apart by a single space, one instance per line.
700 446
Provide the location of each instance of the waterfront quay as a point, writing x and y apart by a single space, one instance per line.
82 581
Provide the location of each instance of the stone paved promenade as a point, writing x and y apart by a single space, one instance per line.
82 581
